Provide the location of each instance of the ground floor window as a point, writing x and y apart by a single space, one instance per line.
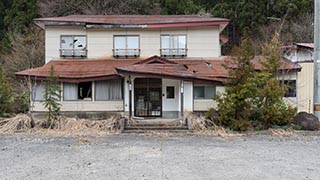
37 91
204 91
291 88
77 91
170 92
108 90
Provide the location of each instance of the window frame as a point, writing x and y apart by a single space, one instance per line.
122 91
170 49
77 92
287 84
85 49
34 83
138 50
204 91
173 92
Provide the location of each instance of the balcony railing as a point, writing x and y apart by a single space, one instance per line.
178 52
73 52
126 52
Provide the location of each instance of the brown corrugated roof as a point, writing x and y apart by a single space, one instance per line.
87 70
78 70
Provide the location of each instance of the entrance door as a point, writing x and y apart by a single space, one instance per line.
147 97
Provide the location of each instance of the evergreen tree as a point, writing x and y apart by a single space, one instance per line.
5 93
270 106
235 104
51 98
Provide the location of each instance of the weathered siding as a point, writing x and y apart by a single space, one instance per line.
305 87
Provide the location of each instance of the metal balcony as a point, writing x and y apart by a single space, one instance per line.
126 52
173 52
73 52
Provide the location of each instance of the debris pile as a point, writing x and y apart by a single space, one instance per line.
19 123
282 132
23 123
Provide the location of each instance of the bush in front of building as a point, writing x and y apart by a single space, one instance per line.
253 100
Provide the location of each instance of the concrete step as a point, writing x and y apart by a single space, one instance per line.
147 125
150 127
156 122
162 131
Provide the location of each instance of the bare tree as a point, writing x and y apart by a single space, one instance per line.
92 7
297 30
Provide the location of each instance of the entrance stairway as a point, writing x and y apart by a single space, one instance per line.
147 125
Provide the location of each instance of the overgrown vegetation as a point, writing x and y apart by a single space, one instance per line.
253 99
51 98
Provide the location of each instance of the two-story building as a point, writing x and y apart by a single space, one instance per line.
145 66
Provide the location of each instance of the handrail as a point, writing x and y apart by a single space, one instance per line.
126 52
73 52
180 52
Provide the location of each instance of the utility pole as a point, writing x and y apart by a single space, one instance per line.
316 58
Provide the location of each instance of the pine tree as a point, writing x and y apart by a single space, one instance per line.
270 104
51 98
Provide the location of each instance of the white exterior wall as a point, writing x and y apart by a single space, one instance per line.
201 41
52 39
188 96
82 106
171 104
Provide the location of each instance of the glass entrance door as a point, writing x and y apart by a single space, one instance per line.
148 97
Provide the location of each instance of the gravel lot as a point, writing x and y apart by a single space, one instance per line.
162 157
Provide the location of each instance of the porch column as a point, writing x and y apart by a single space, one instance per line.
181 96
130 97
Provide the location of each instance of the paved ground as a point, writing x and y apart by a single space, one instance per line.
173 157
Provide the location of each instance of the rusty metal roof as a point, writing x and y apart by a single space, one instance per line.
149 21
90 70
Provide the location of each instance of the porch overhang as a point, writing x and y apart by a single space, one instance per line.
125 72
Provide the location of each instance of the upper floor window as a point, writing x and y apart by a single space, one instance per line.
73 46
173 45
126 46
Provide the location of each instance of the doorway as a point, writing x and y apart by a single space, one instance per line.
148 97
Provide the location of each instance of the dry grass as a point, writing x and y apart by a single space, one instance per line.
283 132
203 126
65 127
19 123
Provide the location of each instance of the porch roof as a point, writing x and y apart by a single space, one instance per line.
185 69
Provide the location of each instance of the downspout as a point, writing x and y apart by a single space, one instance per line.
181 91
130 97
